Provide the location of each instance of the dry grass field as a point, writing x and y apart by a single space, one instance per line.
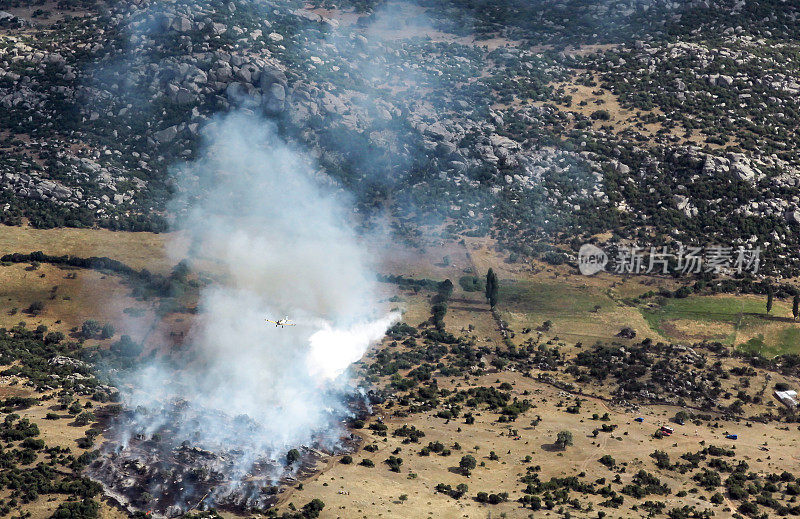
357 491
69 302
582 310
135 249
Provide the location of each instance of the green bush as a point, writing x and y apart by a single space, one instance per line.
471 284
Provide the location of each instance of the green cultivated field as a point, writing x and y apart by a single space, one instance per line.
786 341
550 299
735 320
739 321
578 313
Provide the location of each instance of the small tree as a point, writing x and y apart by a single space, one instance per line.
394 463
90 328
796 306
313 508
54 338
491 287
445 289
770 296
563 439
467 464
84 418
126 347
74 408
65 400
107 332
292 456
36 308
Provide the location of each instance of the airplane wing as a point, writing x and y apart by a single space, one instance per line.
271 321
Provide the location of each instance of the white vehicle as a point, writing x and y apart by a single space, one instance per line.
281 322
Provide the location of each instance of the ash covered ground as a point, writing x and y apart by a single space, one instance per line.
169 470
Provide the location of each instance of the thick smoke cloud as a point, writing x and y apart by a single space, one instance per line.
280 241
256 206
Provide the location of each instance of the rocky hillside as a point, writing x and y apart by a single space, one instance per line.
662 122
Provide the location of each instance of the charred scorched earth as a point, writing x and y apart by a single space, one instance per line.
164 469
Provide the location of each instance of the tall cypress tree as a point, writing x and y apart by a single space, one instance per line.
491 288
770 296
796 306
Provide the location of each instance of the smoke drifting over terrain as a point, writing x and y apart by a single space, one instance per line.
254 206
244 389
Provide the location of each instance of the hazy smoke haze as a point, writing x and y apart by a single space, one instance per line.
258 210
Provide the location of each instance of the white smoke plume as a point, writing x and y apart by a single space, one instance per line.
281 242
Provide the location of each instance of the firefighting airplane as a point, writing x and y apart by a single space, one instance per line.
281 322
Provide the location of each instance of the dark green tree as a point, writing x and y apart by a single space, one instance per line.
796 306
491 287
84 418
126 347
443 292
53 338
563 439
86 509
107 331
467 464
65 400
74 407
445 289
394 463
90 328
35 308
292 456
770 296
313 508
